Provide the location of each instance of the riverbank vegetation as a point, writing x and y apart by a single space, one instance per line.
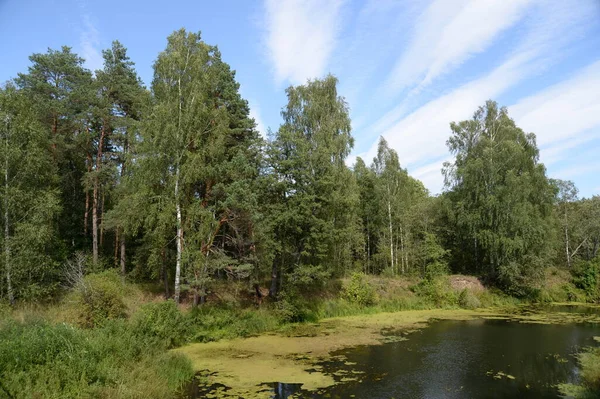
589 361
138 219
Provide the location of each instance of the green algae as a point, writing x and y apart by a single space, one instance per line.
293 355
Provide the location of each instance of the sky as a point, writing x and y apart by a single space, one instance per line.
407 68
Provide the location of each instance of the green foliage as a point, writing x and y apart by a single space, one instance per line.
41 360
500 200
587 277
99 297
437 291
164 321
214 323
468 300
313 194
293 308
435 257
359 291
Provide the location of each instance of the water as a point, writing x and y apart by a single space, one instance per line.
459 359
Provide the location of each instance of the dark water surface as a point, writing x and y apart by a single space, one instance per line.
460 359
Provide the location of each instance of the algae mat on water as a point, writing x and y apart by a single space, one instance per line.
244 364
292 356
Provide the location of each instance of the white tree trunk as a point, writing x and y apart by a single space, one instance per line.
567 238
391 233
7 265
179 238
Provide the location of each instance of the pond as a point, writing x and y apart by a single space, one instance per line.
457 359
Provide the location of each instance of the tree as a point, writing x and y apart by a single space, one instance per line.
121 98
567 195
501 200
316 225
29 199
61 94
398 194
195 163
369 210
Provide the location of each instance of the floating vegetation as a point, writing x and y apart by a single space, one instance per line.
296 355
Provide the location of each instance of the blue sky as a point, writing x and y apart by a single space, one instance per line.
407 68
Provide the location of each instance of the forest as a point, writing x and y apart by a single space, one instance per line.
105 182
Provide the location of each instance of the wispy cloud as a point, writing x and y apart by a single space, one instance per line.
300 36
564 115
89 40
420 135
577 170
448 33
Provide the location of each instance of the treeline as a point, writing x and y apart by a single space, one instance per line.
174 183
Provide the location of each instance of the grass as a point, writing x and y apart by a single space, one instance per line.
42 360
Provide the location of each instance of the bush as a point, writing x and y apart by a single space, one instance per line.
162 321
99 297
437 291
292 308
522 280
359 291
587 276
468 300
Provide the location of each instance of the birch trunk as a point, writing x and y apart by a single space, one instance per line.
7 265
389 206
567 239
179 238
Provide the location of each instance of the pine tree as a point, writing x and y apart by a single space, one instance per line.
61 93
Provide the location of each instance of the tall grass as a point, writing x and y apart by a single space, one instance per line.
40 360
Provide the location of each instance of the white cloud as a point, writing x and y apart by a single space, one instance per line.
301 34
420 136
430 174
447 33
562 114
577 170
89 40
255 114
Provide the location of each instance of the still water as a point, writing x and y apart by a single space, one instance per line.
459 359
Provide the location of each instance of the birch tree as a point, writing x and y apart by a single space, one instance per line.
29 201
501 198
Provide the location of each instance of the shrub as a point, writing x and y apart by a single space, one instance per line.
99 297
292 308
468 300
522 280
587 276
359 291
437 291
162 321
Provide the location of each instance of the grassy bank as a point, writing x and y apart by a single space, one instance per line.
109 338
